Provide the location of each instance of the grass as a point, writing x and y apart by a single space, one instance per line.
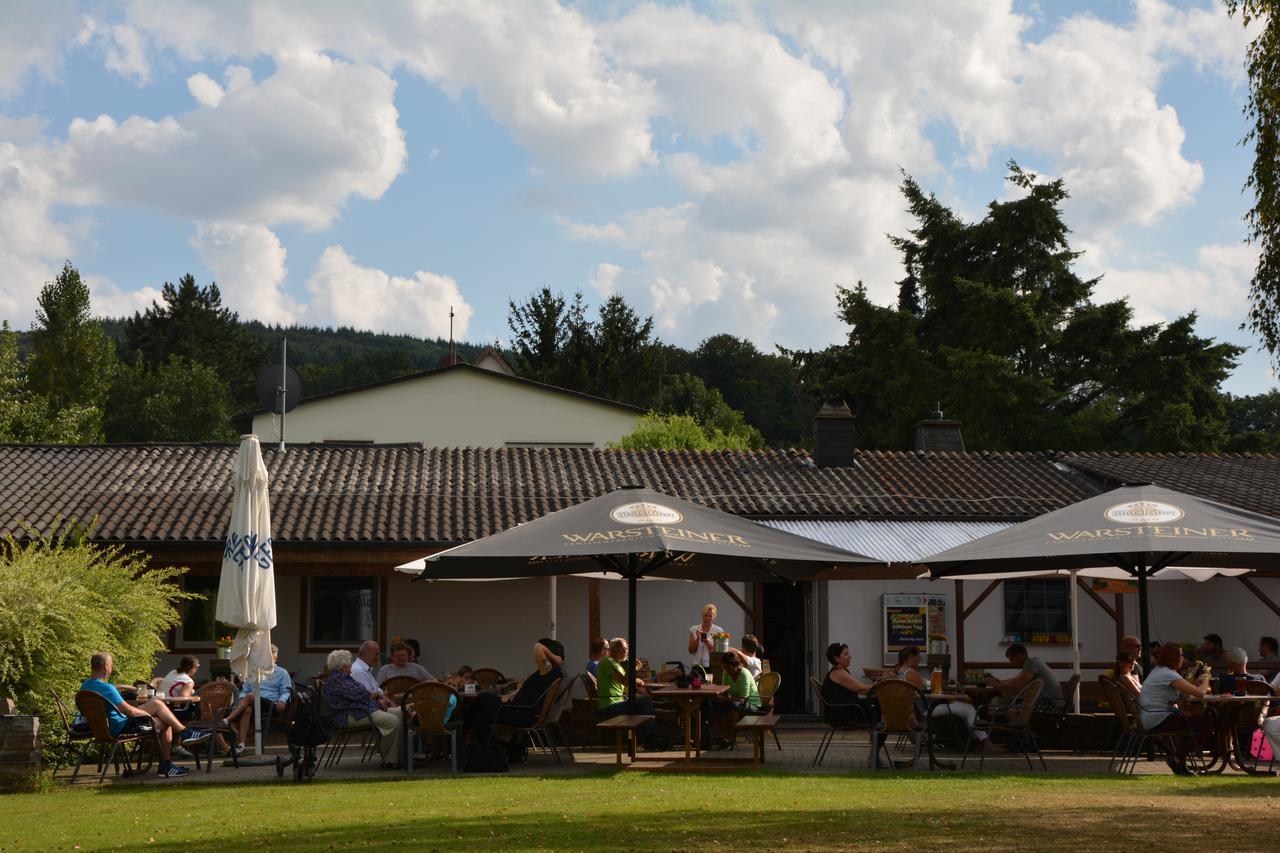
667 811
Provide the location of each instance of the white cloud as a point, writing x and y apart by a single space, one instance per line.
108 300
248 263
343 293
31 39
32 246
604 279
124 48
1216 285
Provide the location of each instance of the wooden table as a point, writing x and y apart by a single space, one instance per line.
168 700
1225 710
690 700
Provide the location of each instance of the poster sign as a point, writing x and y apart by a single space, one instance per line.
911 620
1108 585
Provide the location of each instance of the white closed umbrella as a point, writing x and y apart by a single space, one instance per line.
247 589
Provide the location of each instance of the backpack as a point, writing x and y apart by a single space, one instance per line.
308 727
486 758
1259 748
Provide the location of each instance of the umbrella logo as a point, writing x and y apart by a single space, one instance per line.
644 512
1144 512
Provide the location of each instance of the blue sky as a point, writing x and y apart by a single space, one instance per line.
722 165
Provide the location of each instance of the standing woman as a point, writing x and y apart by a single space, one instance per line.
700 643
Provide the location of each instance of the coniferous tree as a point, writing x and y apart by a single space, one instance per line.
72 360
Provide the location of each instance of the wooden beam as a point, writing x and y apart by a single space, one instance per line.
959 657
593 609
1262 596
1097 598
738 601
1119 617
991 587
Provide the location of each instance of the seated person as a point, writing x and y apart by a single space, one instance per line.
611 684
180 683
909 671
1212 652
365 667
1159 713
1125 676
123 718
276 690
1133 646
1271 728
522 707
415 650
741 699
749 655
402 666
597 649
354 708
1050 700
1237 670
460 679
1268 649
843 693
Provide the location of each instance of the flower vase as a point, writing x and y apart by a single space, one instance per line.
224 653
722 644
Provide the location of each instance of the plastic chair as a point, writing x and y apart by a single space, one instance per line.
824 706
431 701
129 746
1023 706
768 684
897 698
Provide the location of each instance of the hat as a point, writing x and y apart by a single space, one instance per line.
1238 655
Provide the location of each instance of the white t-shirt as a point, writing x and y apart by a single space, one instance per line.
1155 702
703 654
364 676
751 664
173 679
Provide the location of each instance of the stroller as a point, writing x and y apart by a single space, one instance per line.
307 732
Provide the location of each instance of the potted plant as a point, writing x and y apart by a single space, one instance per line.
224 646
722 640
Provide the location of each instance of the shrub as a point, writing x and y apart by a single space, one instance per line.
61 600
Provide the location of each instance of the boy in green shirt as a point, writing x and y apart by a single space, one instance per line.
742 697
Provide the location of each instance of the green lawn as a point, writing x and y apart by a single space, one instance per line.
668 811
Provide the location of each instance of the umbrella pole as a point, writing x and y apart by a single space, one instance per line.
631 635
1075 636
1143 619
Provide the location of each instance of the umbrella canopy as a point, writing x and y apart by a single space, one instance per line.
247 588
1134 532
635 533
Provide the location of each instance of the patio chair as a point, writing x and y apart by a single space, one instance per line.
1058 721
898 700
73 734
131 747
397 687
552 727
857 711
542 705
488 678
1142 737
1023 706
340 737
768 684
217 698
1111 695
589 684
431 701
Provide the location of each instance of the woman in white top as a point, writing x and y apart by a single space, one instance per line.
909 671
1163 687
179 682
701 644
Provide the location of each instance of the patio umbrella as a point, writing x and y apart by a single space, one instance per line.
247 587
637 533
1136 532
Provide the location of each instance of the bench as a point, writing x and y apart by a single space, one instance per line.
625 723
756 726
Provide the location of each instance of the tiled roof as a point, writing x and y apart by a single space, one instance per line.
411 494
1247 480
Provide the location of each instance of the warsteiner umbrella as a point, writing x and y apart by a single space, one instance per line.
636 533
1135 532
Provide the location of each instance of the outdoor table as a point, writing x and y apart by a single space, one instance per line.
690 700
1225 711
168 700
933 700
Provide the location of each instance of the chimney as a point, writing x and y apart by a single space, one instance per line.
939 434
833 436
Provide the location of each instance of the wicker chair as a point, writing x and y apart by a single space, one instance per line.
1023 706
217 698
131 747
898 699
488 679
431 701
768 684
396 688
829 735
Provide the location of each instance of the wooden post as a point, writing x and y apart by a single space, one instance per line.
1119 616
593 609
959 656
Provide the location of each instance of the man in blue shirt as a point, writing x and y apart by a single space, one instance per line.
123 718
275 691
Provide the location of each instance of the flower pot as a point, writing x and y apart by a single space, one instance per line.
722 645
224 653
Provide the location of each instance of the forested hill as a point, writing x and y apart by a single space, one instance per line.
329 359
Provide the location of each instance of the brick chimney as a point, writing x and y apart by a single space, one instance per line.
938 433
833 436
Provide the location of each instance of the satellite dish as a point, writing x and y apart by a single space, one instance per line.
269 388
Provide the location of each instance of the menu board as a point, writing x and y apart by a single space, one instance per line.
910 620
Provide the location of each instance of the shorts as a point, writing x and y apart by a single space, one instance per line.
132 726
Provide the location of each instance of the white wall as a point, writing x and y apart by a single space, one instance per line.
456 408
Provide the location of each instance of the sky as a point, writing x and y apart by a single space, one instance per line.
723 165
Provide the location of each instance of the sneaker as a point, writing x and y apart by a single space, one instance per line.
238 750
174 772
179 752
194 737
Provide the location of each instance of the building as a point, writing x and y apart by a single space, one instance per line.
459 405
345 515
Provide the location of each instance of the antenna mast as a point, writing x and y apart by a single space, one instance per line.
453 353
282 390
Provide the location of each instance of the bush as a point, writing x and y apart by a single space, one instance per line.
61 600
678 432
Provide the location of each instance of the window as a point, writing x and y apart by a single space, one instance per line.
342 612
197 629
1037 611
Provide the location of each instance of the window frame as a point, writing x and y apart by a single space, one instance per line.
177 642
1024 634
305 646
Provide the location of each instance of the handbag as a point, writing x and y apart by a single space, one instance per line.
1259 747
